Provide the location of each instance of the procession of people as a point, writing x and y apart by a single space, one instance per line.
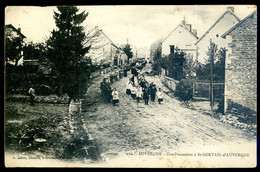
140 89
137 87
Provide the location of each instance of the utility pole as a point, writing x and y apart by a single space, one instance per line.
212 54
111 63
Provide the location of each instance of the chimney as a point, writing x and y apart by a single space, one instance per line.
231 9
19 29
194 31
189 27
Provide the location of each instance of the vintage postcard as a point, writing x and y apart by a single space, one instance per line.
150 86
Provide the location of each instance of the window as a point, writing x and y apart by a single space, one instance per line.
172 49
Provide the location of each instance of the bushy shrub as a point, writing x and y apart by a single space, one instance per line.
184 90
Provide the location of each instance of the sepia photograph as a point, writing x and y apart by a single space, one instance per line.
130 86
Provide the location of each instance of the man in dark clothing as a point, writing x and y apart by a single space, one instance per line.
108 92
146 94
105 90
152 91
134 71
125 71
102 86
142 83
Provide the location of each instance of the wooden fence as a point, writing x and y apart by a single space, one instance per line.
201 90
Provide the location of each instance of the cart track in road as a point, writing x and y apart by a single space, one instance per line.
167 126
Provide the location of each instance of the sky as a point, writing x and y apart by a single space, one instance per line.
140 25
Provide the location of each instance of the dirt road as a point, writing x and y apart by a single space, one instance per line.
133 126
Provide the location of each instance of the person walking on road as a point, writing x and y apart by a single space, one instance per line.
102 86
159 95
106 90
125 71
143 82
153 91
129 87
139 94
115 97
146 95
133 92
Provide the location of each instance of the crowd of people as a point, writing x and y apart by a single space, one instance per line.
137 87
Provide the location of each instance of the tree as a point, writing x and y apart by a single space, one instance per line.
218 67
34 51
14 45
128 51
158 64
66 49
13 54
174 63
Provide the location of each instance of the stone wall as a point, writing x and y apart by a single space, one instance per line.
241 64
169 82
39 99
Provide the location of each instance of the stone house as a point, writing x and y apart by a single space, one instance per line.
241 63
227 20
104 51
182 37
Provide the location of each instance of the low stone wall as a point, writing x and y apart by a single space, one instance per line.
169 82
39 99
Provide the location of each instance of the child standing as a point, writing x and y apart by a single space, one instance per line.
159 95
115 97
139 93
133 92
128 87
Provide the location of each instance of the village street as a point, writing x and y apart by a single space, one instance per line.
59 82
132 127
